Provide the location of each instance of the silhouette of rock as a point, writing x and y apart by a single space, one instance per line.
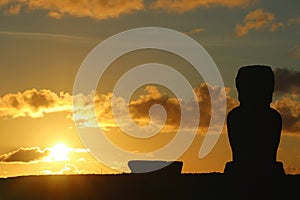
254 128
159 167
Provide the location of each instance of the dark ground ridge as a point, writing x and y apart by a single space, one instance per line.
149 186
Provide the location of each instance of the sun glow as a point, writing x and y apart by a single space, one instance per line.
60 152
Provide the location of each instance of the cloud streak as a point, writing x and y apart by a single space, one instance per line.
181 6
100 9
105 9
195 31
258 20
24 154
44 36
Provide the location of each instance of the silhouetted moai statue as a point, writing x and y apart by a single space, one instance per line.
254 128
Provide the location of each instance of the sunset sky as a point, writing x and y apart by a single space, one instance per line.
44 42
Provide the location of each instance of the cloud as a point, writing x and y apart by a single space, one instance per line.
84 113
55 15
45 36
258 20
67 169
287 81
204 102
3 2
294 52
294 21
194 31
24 154
289 108
13 9
37 103
288 105
289 169
100 9
34 103
70 169
287 87
139 108
181 6
275 26
104 9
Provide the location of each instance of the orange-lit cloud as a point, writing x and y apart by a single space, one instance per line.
181 6
24 154
287 88
85 116
194 31
275 26
290 169
100 9
4 2
13 9
67 169
204 102
104 9
34 103
294 52
258 20
294 21
70 169
139 108
287 84
289 108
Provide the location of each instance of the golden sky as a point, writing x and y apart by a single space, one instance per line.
44 42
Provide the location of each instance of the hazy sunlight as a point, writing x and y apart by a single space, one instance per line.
59 152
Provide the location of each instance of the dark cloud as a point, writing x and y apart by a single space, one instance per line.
140 108
34 103
287 81
24 154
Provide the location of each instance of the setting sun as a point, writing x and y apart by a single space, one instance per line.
59 152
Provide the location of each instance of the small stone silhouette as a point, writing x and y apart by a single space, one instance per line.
155 167
254 128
